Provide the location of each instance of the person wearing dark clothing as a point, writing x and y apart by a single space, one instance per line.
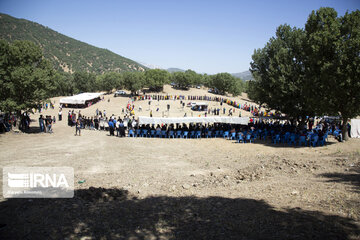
96 122
349 129
41 123
122 129
69 119
27 121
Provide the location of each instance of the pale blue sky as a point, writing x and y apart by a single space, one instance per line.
206 36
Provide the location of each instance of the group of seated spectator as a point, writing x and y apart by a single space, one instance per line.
276 131
273 131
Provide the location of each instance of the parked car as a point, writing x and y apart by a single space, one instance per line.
215 91
191 104
119 92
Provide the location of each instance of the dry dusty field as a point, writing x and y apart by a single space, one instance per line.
141 188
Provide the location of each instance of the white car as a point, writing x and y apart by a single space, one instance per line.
119 92
191 104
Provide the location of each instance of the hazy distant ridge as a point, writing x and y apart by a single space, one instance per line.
245 76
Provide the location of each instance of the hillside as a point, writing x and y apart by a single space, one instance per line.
171 70
65 53
245 76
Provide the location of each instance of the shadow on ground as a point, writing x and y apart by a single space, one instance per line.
114 214
33 130
269 143
352 178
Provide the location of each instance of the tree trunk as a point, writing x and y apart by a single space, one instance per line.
344 129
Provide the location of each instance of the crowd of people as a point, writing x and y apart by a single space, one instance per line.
100 121
11 121
46 123
45 106
255 110
277 131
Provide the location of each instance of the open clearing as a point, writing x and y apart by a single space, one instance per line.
142 188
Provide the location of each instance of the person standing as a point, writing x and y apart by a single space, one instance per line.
60 114
111 127
117 125
41 123
49 124
69 118
122 129
77 127
96 122
349 128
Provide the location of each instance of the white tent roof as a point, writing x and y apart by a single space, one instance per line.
155 120
80 98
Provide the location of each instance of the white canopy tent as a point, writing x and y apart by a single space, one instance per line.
156 120
355 128
80 98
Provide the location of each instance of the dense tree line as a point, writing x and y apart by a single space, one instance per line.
313 71
154 80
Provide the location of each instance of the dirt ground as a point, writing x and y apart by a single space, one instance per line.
141 188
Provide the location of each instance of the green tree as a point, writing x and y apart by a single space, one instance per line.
134 81
193 78
108 81
224 82
237 88
182 79
64 84
206 80
85 82
311 72
279 74
333 62
119 84
156 79
26 78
